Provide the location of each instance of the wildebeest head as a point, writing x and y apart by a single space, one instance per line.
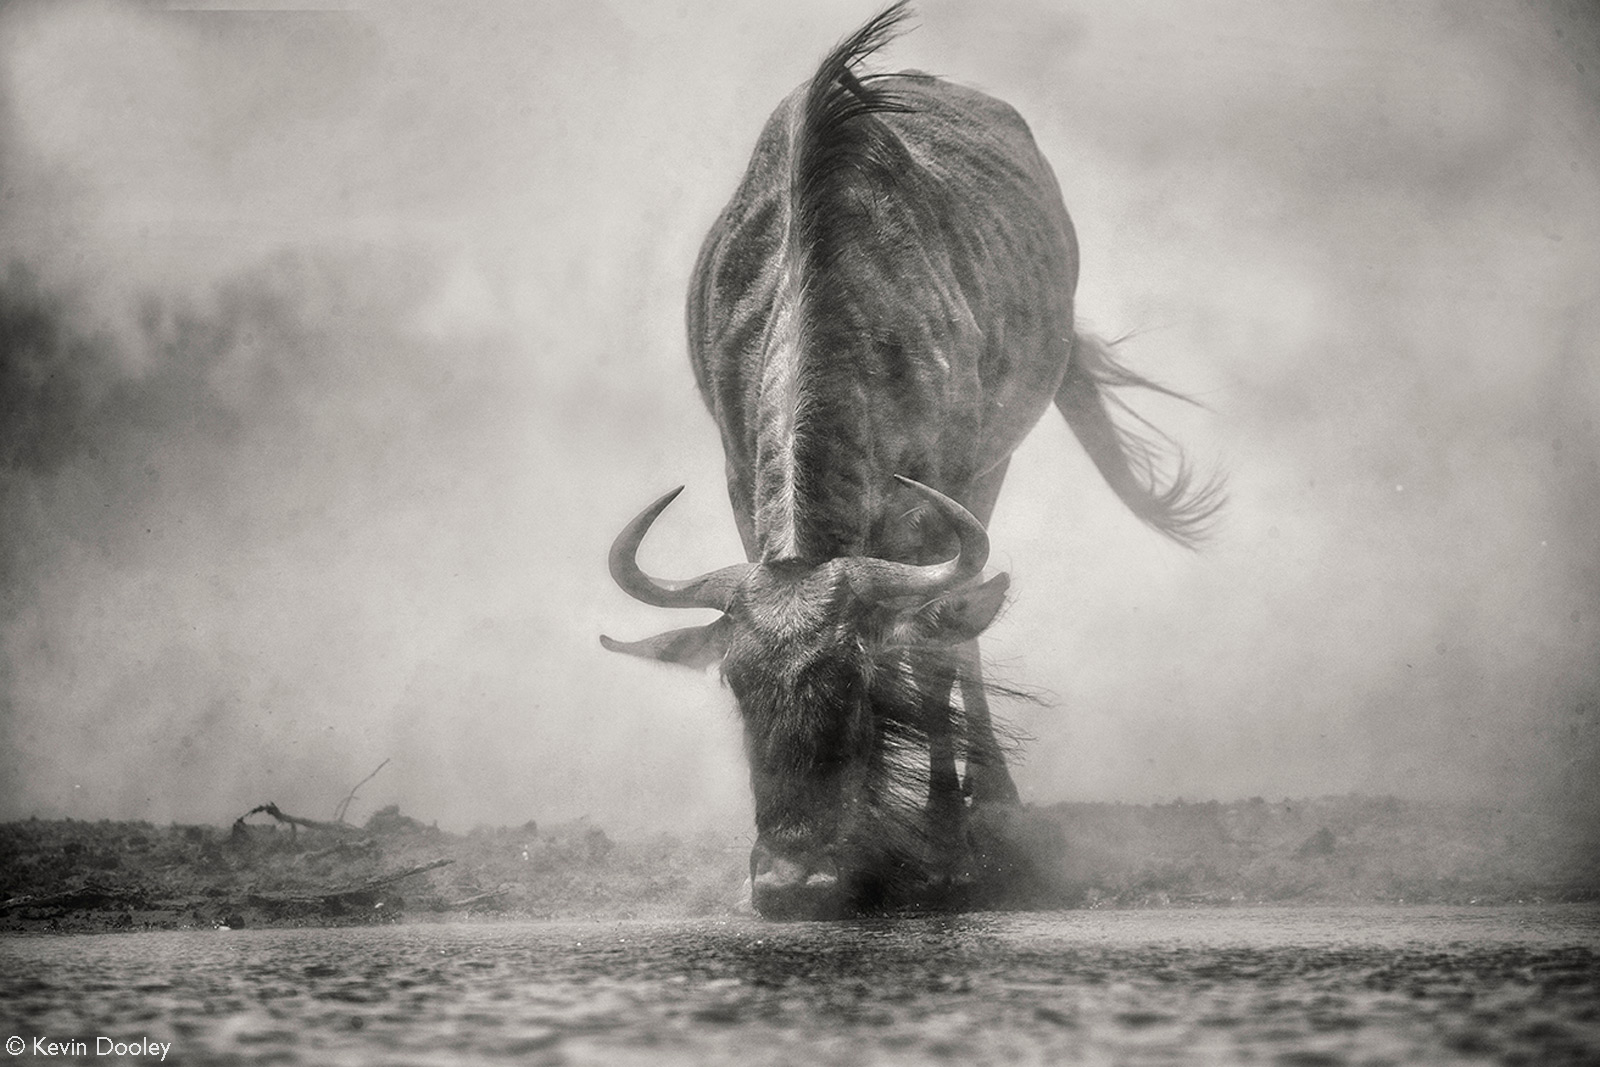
829 662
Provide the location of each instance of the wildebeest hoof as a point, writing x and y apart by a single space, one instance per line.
794 884
788 892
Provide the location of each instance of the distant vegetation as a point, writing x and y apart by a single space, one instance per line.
69 875
96 875
1348 849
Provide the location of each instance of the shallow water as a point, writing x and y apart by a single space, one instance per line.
1295 987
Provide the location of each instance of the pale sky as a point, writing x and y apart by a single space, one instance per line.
345 341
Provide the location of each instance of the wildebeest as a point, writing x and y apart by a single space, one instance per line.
878 317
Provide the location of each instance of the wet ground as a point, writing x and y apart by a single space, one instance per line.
1303 987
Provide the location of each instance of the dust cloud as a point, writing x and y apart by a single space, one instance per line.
337 345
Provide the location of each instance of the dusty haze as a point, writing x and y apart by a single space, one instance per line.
337 345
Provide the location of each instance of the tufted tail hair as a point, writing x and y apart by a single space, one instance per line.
1132 460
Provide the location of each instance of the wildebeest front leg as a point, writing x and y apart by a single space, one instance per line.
945 802
946 808
988 780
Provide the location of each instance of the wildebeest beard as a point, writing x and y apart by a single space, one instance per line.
839 720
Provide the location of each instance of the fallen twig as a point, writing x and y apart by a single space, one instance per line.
481 896
348 891
344 806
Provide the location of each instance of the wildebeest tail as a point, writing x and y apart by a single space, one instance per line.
1132 460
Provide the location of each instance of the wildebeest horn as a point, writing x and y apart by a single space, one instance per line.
713 590
881 579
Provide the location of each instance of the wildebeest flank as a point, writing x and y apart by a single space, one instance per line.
880 315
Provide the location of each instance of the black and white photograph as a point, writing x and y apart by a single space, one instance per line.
589 532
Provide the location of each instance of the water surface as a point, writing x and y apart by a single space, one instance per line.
1300 987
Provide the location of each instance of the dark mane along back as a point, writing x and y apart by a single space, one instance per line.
838 142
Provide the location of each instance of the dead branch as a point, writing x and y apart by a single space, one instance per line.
344 806
344 849
294 821
78 897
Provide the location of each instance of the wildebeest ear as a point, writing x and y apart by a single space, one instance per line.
692 646
960 616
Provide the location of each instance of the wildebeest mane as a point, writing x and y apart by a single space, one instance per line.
839 140
845 180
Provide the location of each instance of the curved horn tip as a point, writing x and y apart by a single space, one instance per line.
711 590
943 501
975 539
928 491
664 499
628 540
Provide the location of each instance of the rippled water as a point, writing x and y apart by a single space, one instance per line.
1299 987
